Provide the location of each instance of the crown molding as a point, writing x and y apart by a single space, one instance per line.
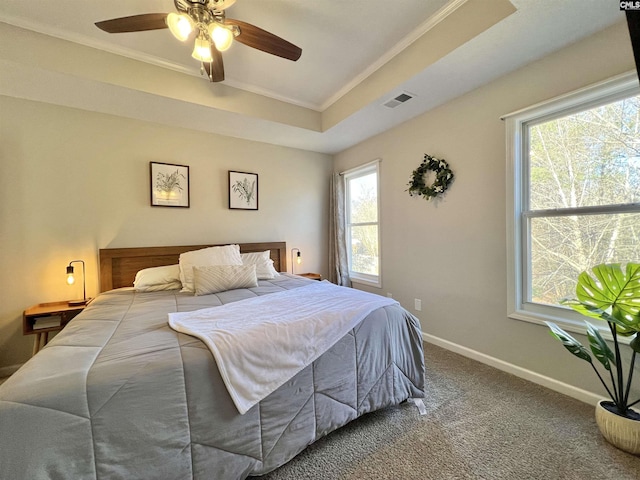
53 31
268 93
142 57
93 43
414 35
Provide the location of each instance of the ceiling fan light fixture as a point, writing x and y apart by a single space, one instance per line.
222 37
204 22
180 25
202 50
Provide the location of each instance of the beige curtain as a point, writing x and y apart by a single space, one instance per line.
338 268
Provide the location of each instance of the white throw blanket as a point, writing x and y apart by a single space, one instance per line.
262 342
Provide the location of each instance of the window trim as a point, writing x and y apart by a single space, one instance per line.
356 172
517 181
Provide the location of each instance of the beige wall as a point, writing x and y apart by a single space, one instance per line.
451 253
72 182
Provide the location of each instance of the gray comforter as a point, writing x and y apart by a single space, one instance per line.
118 394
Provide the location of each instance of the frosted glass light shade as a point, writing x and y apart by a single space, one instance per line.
222 37
70 278
202 50
180 25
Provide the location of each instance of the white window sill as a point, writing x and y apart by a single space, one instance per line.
570 325
369 283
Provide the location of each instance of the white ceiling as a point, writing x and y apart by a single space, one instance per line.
342 44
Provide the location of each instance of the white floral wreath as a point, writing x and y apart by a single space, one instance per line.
444 177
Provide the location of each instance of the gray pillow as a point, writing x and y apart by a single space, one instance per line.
219 278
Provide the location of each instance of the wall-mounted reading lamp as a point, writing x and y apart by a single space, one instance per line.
298 259
71 280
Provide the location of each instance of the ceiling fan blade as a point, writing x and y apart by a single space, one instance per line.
215 69
256 37
135 23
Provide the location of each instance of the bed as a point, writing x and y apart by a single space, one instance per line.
120 394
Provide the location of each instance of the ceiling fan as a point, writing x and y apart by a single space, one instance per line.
205 22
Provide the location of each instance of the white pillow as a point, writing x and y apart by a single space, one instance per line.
226 255
158 278
219 278
263 263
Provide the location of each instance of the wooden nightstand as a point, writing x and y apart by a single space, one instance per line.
311 276
43 318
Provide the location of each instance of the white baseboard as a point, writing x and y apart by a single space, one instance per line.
8 371
561 387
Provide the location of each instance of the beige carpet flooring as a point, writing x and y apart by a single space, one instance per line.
481 424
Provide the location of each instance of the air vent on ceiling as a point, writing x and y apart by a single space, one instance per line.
399 100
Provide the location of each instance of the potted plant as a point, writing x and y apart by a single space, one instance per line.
611 295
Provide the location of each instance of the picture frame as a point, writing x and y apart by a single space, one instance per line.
243 190
169 185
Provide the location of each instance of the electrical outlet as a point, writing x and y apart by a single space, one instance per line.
417 304
389 294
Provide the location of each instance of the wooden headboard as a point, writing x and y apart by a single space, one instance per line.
118 266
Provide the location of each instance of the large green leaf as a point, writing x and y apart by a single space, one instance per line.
621 327
570 343
599 347
614 291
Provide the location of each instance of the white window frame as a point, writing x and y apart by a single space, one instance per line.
366 169
517 182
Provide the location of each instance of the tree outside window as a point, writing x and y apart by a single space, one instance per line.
584 160
576 193
362 216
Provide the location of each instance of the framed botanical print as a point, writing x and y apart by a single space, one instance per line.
169 185
243 190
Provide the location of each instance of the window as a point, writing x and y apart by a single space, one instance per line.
362 214
574 195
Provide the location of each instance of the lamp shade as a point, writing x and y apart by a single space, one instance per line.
295 259
71 280
180 25
222 37
202 50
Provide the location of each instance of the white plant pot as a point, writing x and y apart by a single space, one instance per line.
621 432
